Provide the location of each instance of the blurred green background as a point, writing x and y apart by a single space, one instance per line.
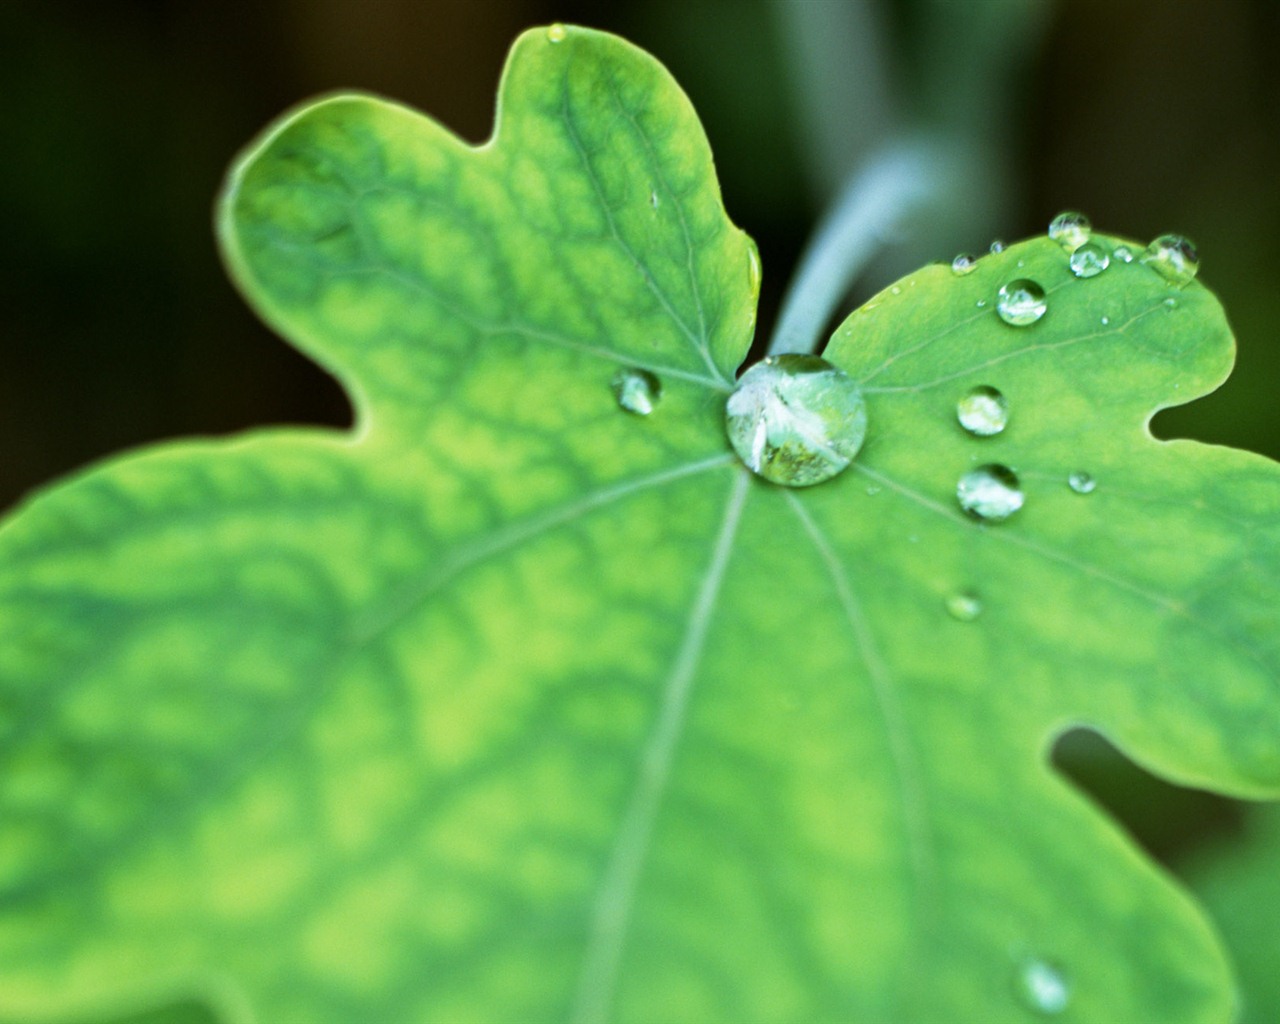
118 326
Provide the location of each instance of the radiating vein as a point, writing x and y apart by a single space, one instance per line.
611 911
1018 353
689 249
699 344
915 807
513 535
1166 605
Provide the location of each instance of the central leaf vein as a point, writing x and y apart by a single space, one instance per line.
611 911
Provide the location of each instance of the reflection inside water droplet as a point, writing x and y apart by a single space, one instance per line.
964 606
1043 987
964 264
1070 230
983 411
1089 260
1081 482
636 390
1174 257
796 420
1021 302
991 492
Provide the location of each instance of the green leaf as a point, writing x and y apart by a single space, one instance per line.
510 704
1240 885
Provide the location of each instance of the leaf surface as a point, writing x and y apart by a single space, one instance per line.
510 704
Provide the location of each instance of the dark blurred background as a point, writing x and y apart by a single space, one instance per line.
118 119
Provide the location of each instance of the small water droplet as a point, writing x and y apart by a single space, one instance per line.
964 264
1089 260
1123 253
872 490
896 290
996 246
1043 987
636 390
964 606
1021 302
990 492
981 303
1174 257
1070 230
1105 320
653 199
1170 303
556 32
1081 482
983 411
796 419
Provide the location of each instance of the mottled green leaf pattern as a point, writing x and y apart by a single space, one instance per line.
512 705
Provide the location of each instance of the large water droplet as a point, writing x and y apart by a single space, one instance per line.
1043 987
964 264
1081 482
1089 260
1174 257
983 411
964 606
990 492
556 32
1021 302
1070 230
636 390
796 419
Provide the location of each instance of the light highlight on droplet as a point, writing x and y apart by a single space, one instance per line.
1174 258
1021 302
1043 987
1089 260
636 390
1070 230
983 411
991 493
796 420
1081 482
964 606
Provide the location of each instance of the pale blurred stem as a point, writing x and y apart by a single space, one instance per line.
897 181
844 101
